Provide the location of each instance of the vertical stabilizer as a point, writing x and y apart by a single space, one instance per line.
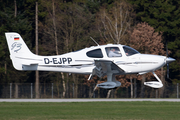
19 51
16 44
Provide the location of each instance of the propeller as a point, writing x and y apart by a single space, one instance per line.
166 61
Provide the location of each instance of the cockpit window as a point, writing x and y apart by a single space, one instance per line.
129 51
97 53
113 52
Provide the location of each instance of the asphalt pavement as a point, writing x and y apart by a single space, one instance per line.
86 100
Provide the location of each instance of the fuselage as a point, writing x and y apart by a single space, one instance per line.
82 61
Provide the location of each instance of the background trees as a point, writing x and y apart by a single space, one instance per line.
12 19
164 16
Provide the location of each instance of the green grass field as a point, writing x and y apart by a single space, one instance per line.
90 110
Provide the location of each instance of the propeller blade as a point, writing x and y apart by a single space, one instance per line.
169 60
168 71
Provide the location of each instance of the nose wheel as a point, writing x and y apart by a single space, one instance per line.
154 84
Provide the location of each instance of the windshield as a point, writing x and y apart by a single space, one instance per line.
129 51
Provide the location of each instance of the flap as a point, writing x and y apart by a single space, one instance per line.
28 63
105 66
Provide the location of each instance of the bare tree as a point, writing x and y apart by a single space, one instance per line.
65 26
54 26
36 32
73 23
113 24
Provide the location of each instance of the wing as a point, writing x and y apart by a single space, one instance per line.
104 66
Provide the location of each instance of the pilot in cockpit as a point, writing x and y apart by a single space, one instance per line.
114 53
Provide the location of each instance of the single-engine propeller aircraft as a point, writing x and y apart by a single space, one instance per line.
101 60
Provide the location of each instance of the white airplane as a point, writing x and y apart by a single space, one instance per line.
101 60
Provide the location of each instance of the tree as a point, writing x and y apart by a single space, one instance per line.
164 16
12 22
36 32
74 29
114 22
94 5
146 40
66 28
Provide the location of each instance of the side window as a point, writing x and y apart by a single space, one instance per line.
95 53
113 52
129 51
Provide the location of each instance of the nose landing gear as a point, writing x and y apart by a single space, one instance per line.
154 84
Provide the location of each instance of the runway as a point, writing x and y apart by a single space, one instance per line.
87 100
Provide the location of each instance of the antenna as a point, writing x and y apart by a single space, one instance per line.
94 41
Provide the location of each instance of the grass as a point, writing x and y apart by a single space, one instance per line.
90 111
